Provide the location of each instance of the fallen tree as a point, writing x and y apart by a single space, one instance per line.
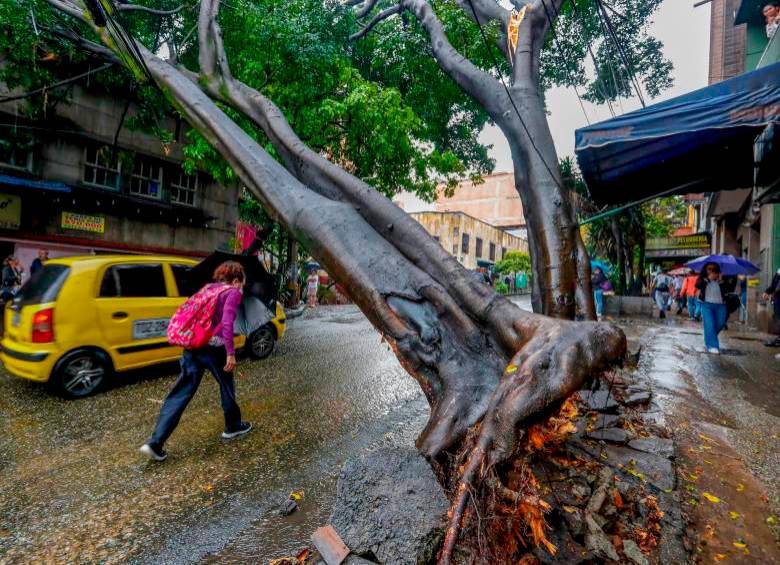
487 368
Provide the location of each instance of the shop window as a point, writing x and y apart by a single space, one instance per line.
456 231
101 167
503 252
184 188
478 251
492 251
146 179
133 281
464 243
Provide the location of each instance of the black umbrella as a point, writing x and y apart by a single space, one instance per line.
259 282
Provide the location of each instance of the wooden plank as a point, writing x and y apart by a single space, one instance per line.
329 544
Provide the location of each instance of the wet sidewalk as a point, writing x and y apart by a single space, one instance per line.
724 414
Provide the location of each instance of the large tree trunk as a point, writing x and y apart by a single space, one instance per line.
485 366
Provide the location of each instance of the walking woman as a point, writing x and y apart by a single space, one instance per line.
712 301
218 356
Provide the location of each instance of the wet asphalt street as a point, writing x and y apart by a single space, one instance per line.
73 487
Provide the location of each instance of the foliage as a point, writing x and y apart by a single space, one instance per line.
514 262
402 125
663 215
566 61
501 287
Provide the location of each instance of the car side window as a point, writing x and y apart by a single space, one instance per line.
134 281
180 275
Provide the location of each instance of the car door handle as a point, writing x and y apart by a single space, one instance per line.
119 315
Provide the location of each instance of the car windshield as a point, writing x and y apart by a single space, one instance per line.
44 286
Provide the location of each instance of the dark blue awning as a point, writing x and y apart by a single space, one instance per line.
701 141
8 180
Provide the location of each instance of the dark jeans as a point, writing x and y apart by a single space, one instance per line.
193 364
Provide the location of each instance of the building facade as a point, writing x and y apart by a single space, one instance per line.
495 201
745 222
476 244
81 182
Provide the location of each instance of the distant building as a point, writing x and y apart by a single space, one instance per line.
473 242
494 201
79 182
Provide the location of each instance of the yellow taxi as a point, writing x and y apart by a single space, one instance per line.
81 319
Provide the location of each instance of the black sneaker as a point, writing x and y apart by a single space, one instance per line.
663 314
241 429
773 342
154 453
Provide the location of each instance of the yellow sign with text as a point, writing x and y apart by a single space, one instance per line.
10 211
83 222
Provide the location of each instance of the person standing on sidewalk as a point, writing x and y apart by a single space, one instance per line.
662 285
713 305
312 285
218 356
597 281
689 292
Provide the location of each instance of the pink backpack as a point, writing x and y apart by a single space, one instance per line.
191 327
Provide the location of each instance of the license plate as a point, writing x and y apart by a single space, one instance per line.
16 320
145 329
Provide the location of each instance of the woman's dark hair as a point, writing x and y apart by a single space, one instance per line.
229 271
706 268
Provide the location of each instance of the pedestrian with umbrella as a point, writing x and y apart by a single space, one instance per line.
716 294
713 305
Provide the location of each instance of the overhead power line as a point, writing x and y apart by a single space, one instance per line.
55 85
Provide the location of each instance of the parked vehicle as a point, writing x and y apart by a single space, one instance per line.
80 320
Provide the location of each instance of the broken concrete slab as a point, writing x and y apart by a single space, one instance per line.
612 435
632 552
597 541
656 445
644 466
638 398
390 505
600 401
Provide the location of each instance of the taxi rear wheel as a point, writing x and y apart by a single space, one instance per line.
80 373
261 342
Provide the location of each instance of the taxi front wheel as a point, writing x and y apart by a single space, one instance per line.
80 373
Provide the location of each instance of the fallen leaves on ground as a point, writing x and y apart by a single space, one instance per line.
712 498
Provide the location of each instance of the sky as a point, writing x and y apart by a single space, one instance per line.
684 31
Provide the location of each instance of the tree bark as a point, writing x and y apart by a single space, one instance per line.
485 366
560 261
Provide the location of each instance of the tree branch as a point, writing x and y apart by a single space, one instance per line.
122 7
479 84
380 17
362 12
487 11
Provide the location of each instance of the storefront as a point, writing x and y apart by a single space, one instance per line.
668 252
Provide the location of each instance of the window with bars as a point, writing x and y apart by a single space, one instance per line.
184 188
101 167
478 251
492 251
464 243
146 179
